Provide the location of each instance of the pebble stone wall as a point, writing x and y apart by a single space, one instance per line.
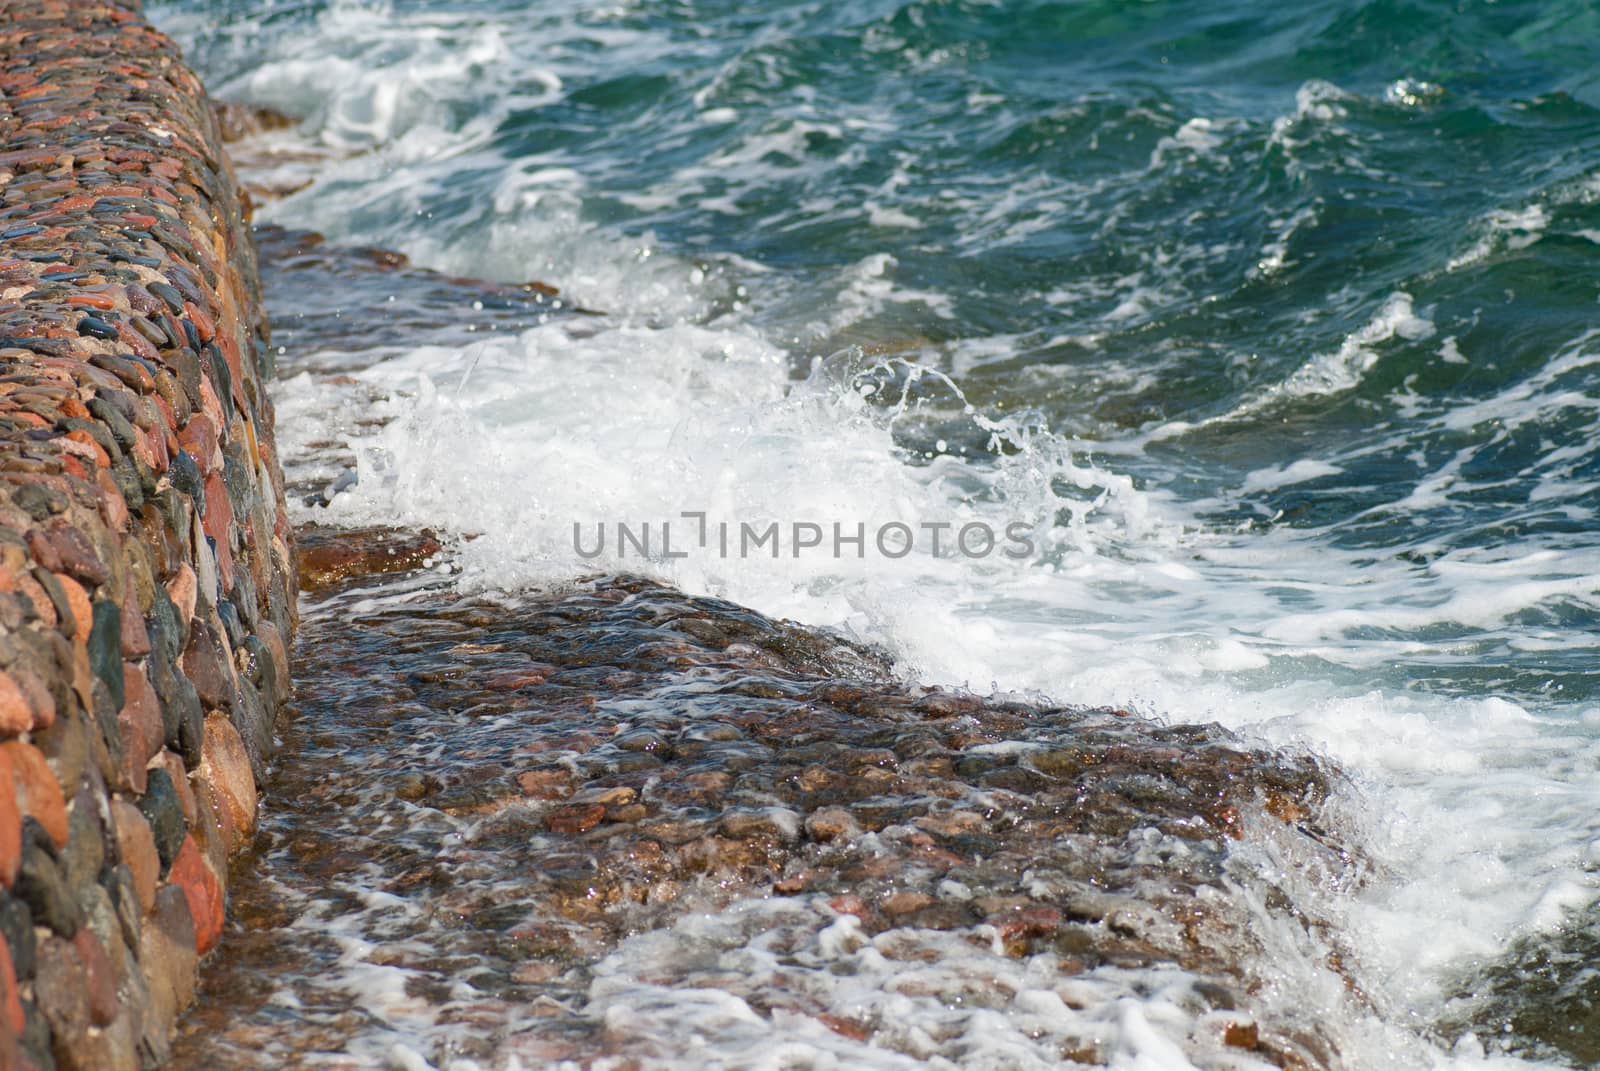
146 563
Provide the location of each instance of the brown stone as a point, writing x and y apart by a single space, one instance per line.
63 548
82 609
828 824
755 825
576 819
191 873
61 990
273 640
137 847
182 590
38 791
16 716
904 903
10 997
40 702
74 747
550 783
213 829
10 824
953 823
218 518
709 782
135 637
140 723
1242 1036
1034 920
199 438
609 796
848 1028
101 979
628 812
225 766
167 955
328 556
42 604
205 663
850 904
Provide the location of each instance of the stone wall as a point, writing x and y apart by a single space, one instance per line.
146 576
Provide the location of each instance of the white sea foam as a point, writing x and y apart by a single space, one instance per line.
1197 137
1504 229
1284 475
1343 368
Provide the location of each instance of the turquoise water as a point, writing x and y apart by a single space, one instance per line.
1276 322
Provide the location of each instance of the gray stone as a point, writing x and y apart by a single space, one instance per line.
42 886
105 648
161 808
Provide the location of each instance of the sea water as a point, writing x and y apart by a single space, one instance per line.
1272 326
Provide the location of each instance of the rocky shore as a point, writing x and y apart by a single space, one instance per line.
146 573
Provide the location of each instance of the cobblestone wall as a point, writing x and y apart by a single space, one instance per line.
146 577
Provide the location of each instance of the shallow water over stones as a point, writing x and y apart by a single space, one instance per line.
618 826
340 309
486 801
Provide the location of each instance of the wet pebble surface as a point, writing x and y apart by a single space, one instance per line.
145 556
502 817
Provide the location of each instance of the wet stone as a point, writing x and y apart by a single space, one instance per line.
62 994
105 649
126 900
550 783
38 791
35 1040
575 819
85 852
16 926
564 835
328 557
167 954
162 809
43 887
126 252
203 893
95 327
183 717
225 766
206 666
